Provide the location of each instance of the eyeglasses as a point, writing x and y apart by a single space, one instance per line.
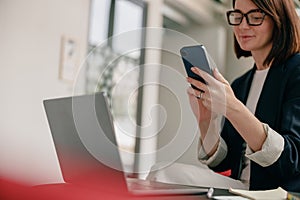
253 17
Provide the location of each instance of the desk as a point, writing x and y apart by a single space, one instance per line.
15 191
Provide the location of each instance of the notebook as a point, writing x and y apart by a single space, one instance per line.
275 194
84 138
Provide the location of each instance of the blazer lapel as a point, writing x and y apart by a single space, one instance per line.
268 105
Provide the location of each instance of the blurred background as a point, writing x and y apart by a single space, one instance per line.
53 48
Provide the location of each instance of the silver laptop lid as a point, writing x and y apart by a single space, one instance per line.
84 138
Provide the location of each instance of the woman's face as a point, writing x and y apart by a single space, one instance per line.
253 38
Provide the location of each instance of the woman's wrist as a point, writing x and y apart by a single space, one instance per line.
205 124
210 134
234 108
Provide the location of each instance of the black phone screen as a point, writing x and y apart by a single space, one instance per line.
195 56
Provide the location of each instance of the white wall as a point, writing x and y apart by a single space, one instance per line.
30 37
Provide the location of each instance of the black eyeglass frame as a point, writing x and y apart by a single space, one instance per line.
228 13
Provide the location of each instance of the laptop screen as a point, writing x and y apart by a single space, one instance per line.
84 138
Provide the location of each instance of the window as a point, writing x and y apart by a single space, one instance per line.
116 51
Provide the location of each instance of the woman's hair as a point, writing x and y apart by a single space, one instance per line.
286 32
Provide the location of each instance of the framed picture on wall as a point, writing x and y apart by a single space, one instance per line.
69 58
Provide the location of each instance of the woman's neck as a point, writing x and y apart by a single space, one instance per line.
259 59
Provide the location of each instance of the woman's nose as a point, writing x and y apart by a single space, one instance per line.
244 23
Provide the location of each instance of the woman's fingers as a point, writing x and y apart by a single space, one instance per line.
196 93
198 84
215 94
208 78
219 76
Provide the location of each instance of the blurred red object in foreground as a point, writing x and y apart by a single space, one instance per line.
105 189
226 173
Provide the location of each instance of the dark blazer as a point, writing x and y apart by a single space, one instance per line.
279 107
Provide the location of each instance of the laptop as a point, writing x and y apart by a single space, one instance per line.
84 138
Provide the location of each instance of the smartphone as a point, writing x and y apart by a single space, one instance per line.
195 56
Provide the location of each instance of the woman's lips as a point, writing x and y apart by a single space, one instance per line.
245 37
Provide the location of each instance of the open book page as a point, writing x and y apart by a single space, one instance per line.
276 194
202 176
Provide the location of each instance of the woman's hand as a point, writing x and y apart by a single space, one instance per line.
199 110
217 97
208 103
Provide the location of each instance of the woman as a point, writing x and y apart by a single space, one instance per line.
260 139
